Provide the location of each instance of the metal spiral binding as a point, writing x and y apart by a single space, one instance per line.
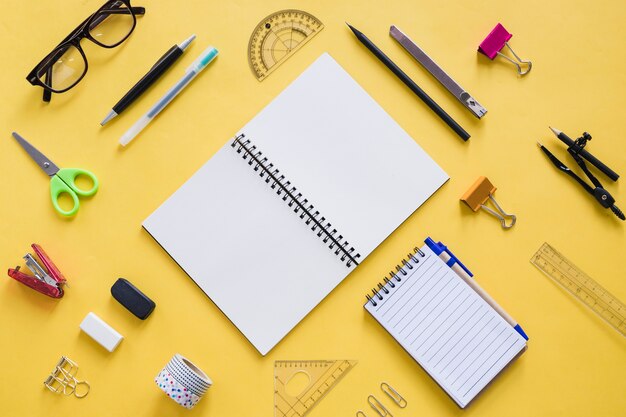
409 263
290 194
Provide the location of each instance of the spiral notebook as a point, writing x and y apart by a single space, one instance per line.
450 330
281 214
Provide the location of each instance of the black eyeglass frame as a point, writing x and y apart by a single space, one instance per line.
82 31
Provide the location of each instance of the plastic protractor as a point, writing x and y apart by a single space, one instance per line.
279 36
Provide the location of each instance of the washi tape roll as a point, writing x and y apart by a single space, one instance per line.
179 367
183 381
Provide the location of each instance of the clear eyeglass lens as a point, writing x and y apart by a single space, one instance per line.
112 24
67 68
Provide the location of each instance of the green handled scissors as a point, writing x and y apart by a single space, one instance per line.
61 180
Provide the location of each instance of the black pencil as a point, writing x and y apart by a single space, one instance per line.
411 84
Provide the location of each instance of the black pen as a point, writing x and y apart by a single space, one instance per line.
411 84
147 80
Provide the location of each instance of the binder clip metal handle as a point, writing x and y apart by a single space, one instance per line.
500 214
497 39
517 63
478 194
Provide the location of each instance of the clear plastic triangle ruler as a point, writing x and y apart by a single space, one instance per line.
323 376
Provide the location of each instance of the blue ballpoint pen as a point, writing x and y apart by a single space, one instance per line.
453 262
199 64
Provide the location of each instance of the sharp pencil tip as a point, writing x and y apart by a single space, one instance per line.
539 145
557 132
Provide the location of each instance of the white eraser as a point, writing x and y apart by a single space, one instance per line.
101 332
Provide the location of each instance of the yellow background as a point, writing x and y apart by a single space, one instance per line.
575 364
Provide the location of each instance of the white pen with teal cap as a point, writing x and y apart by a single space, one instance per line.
194 69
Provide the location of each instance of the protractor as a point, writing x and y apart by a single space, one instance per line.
279 36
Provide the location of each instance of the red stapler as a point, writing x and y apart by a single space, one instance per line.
47 279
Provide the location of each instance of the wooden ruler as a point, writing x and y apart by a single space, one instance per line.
279 36
581 286
323 376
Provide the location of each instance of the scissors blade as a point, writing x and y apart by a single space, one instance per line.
47 165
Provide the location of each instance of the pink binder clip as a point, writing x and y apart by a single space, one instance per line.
494 42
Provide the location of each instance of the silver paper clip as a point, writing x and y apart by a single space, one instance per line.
378 406
393 394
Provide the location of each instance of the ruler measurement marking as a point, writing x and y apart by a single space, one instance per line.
279 36
581 286
589 291
300 405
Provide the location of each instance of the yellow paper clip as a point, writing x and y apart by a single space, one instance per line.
478 194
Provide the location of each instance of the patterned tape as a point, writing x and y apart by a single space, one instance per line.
185 368
183 381
176 391
197 374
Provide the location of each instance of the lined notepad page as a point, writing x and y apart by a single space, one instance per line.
446 327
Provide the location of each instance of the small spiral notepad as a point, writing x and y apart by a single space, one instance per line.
301 195
453 333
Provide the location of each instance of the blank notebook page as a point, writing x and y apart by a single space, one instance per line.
244 246
459 339
345 154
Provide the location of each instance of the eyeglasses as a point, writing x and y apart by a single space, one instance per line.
66 65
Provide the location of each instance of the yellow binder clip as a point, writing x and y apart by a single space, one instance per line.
478 194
